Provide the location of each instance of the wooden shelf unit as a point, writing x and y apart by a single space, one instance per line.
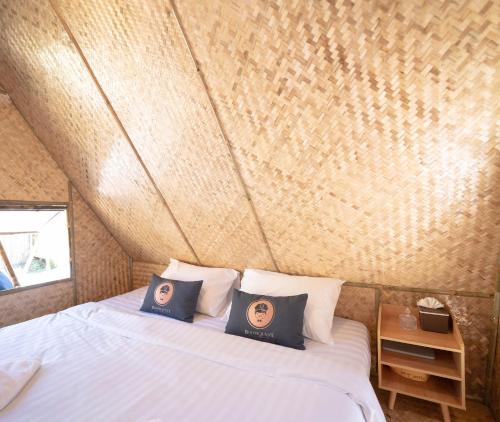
446 384
443 366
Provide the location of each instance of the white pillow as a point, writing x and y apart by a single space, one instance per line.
323 294
217 283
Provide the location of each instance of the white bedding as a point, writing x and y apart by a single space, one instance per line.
109 362
352 340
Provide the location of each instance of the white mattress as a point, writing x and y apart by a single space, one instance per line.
109 362
352 340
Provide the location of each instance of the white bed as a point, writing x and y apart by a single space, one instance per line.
107 361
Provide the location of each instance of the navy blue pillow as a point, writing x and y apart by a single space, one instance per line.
172 298
273 319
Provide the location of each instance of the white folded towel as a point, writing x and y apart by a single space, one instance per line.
14 375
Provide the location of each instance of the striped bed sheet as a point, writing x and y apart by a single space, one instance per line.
352 340
107 361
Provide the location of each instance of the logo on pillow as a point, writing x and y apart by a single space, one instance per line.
163 293
260 313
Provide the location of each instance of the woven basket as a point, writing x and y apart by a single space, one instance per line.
411 375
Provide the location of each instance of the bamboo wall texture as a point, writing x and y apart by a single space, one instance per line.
368 152
176 138
26 169
350 139
28 173
33 303
365 131
101 265
71 118
142 272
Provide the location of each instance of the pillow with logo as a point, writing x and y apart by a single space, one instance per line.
172 298
217 282
323 294
273 319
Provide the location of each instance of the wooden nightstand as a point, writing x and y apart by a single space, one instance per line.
446 383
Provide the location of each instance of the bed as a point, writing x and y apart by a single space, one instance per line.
107 361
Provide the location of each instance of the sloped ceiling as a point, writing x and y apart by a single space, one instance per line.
48 82
355 139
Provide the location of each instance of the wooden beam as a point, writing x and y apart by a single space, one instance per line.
10 269
493 350
33 286
25 232
32 205
71 237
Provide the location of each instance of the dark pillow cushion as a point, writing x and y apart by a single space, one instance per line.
274 319
172 298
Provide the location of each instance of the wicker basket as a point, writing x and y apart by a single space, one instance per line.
411 375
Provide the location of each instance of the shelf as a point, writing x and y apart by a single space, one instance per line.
444 365
439 390
391 330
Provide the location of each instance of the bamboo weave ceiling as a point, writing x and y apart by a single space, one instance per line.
355 139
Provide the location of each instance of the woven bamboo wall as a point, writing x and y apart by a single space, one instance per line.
350 141
101 265
142 272
71 118
33 303
26 169
361 304
364 130
179 140
28 173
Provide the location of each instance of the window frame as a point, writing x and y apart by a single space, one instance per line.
6 205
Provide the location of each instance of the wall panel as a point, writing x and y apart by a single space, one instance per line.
365 132
101 265
48 82
33 303
26 170
142 272
361 304
28 173
170 122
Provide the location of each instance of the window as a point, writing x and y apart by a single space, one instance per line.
34 246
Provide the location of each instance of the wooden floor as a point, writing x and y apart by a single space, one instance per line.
408 409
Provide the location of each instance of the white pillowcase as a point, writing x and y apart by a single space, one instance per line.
217 283
323 294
